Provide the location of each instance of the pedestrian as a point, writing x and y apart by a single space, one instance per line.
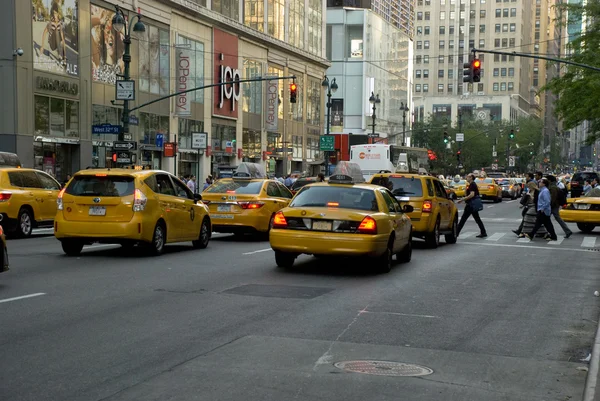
67 180
191 184
587 187
473 206
531 177
320 177
529 213
544 211
288 181
538 176
207 183
557 200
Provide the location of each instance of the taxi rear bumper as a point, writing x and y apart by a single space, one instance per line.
580 216
117 232
328 243
239 222
421 222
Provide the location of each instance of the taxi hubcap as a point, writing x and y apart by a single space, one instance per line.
204 233
158 238
25 223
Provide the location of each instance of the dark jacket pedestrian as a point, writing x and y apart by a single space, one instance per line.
472 198
557 199
544 211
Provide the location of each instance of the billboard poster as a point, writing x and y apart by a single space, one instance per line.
107 46
225 67
183 81
272 105
337 115
55 36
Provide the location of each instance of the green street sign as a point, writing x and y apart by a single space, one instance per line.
327 143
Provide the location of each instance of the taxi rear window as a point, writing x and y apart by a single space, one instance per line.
484 181
400 186
235 186
91 185
300 182
340 198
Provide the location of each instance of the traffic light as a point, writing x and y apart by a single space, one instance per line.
512 134
446 137
458 156
476 70
467 73
114 157
293 92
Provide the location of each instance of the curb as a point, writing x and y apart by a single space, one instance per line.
591 381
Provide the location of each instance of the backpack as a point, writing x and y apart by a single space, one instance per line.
561 197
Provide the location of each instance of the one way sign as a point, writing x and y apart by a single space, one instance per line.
125 90
124 145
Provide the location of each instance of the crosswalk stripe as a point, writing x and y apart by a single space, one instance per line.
557 242
588 242
495 236
467 234
523 240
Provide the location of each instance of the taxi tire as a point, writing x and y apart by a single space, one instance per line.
159 229
452 237
27 215
202 243
284 259
586 227
405 255
384 262
433 239
71 247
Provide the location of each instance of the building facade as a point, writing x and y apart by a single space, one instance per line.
369 56
61 114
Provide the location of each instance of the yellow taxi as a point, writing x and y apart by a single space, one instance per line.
247 202
489 189
27 200
433 212
459 187
129 207
343 217
3 251
584 211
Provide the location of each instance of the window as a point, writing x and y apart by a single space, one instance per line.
229 8
418 59
354 44
427 30
502 72
461 44
495 87
505 13
181 191
442 30
153 60
496 72
479 87
511 72
441 59
440 88
451 44
108 186
254 14
425 74
482 28
451 30
511 43
513 12
279 72
511 86
451 73
513 27
450 88
496 43
442 15
419 30
195 52
417 73
450 59
425 59
296 23
481 13
471 28
419 45
442 44
537 24
482 43
418 88
252 91
497 28
440 73
313 102
419 16
56 117
275 18
471 43
503 86
452 15
425 87
426 44
427 15
315 26
498 13
504 42
47 181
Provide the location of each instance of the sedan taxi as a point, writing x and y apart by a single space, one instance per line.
247 202
584 211
343 217
128 207
460 188
489 189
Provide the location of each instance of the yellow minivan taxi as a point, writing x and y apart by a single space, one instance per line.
129 207
27 200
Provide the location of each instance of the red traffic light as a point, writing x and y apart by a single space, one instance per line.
476 63
293 87
114 157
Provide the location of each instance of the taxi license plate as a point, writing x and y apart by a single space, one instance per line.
97 211
322 225
223 208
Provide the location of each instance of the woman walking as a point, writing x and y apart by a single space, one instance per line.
544 211
529 203
473 206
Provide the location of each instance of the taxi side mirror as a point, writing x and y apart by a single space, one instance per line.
408 209
197 198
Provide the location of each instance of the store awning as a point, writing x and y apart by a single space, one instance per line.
316 163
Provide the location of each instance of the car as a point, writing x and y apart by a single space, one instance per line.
247 202
488 189
151 208
433 214
300 182
584 211
578 181
4 265
510 188
27 200
459 187
343 217
450 192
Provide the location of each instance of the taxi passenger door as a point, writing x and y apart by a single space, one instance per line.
167 203
34 194
188 224
443 204
276 199
395 217
50 193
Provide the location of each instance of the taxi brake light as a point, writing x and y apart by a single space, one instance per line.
59 199
368 226
279 220
396 176
333 204
490 187
427 206
102 175
4 196
139 200
230 192
251 205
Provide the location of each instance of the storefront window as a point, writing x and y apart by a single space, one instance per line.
276 18
155 129
297 147
101 153
56 117
72 116
273 142
196 53
296 24
312 144
254 14
354 44
252 93
42 112
229 8
297 108
223 140
313 102
153 61
186 127
53 158
279 72
315 26
251 144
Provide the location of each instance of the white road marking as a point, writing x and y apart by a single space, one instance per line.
525 246
403 314
500 219
489 207
259 251
511 201
523 240
495 236
22 297
557 242
467 234
588 242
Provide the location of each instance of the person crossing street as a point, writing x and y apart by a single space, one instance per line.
473 206
544 211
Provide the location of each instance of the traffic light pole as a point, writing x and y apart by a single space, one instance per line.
558 60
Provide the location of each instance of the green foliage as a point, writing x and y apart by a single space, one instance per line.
578 89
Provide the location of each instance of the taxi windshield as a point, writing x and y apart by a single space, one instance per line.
481 181
300 182
400 186
503 182
341 197
94 185
235 186
458 184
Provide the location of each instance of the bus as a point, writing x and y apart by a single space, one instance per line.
373 158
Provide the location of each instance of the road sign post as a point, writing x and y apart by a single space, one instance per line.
123 145
460 137
125 90
327 143
123 157
199 141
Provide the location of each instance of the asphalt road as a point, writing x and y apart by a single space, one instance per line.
494 319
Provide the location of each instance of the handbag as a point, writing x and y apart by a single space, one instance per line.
476 204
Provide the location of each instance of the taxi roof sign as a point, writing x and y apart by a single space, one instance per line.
347 173
250 170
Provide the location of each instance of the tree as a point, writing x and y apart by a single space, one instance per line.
578 89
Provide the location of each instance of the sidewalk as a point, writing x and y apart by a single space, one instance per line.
590 392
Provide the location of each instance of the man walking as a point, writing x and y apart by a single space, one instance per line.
191 184
557 199
544 211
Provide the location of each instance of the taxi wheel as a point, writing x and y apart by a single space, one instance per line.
25 223
204 236
586 227
405 255
71 247
451 238
385 261
157 246
284 259
433 239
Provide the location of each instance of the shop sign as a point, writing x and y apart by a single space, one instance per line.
106 129
183 81
170 149
55 85
240 153
228 146
159 140
272 105
68 141
229 92
199 140
107 144
225 69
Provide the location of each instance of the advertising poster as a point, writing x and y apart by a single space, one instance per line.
55 36
183 80
272 105
107 46
337 115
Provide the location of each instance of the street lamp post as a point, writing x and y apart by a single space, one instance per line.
121 25
331 87
404 109
374 100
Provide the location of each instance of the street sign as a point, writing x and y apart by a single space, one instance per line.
511 161
125 90
460 137
460 166
160 139
118 145
199 140
123 157
327 143
106 129
494 154
494 166
128 137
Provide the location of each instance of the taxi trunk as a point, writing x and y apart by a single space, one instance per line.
225 204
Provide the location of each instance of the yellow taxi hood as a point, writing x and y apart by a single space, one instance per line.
327 213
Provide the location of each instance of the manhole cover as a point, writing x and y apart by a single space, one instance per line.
384 368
